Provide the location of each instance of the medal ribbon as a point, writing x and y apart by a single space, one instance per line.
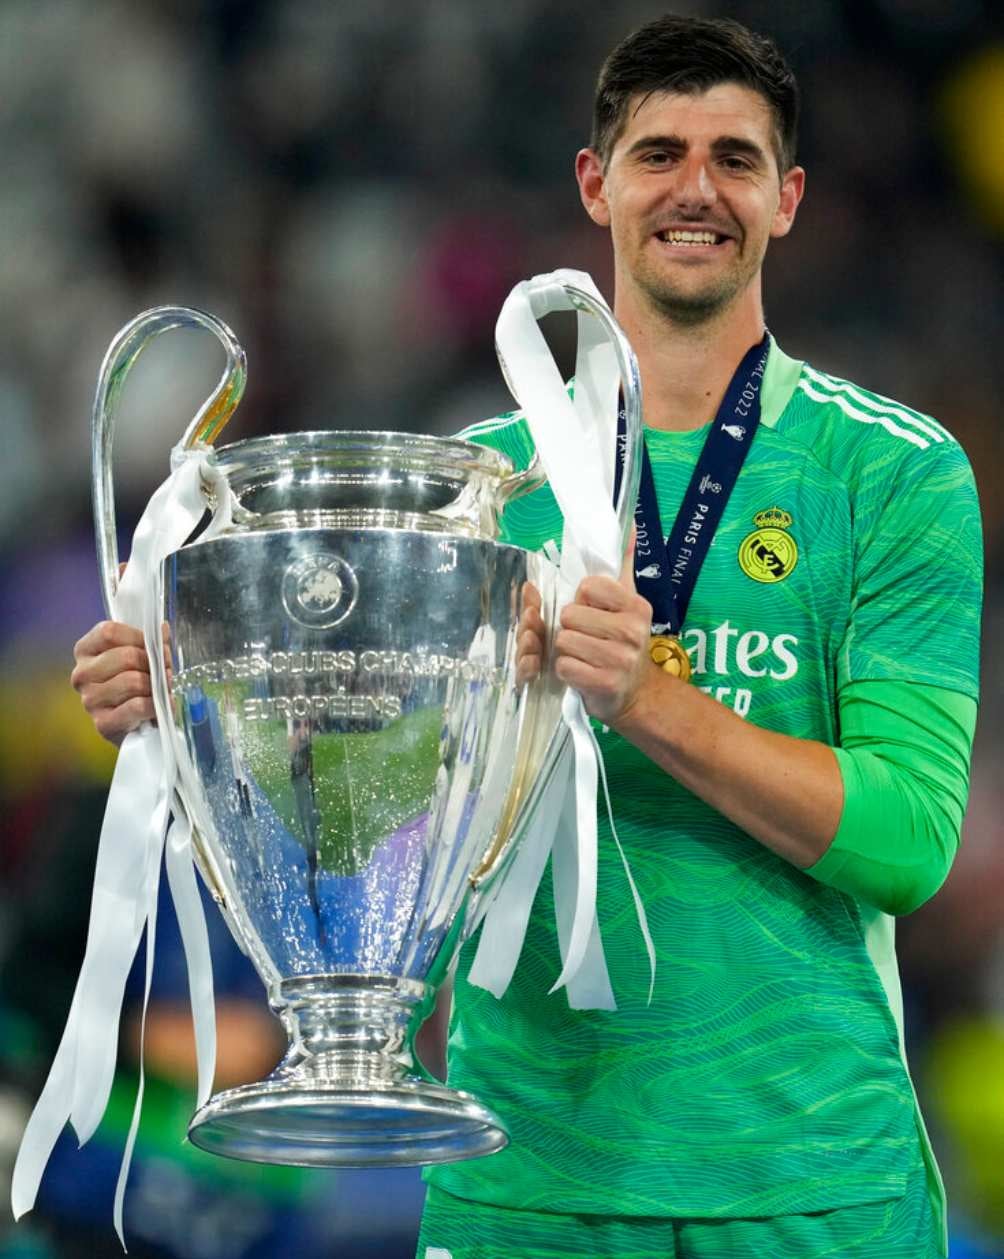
666 572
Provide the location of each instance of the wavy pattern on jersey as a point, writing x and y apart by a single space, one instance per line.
765 1078
918 556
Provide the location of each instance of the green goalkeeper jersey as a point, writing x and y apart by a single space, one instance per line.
767 1075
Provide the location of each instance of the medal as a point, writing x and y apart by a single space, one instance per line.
670 655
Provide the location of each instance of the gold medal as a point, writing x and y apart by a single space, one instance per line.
670 655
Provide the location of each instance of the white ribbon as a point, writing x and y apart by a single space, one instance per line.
576 443
127 872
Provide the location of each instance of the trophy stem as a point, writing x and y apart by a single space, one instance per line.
347 1093
347 1027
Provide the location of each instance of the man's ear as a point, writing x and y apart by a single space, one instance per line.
792 188
592 186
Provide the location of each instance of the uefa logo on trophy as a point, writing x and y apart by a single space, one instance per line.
320 591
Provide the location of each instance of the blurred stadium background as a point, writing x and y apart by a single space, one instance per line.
354 185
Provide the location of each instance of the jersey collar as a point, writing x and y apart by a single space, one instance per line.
779 380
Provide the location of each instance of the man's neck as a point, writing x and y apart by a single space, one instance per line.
686 368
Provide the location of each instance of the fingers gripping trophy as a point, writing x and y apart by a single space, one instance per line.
344 739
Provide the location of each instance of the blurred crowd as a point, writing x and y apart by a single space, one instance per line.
354 186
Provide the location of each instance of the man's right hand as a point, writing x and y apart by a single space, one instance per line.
112 675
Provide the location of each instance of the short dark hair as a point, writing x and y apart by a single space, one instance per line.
688 54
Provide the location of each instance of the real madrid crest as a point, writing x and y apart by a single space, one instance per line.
769 553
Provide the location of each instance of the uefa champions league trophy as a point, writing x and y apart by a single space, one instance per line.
354 750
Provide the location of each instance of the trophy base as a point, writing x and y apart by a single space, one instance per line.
403 1123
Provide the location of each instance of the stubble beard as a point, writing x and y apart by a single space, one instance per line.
687 309
692 306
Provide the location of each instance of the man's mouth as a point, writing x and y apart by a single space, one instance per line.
690 236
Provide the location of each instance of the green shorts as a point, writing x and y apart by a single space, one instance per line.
898 1228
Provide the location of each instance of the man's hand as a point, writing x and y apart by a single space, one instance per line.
112 675
602 646
602 649
530 637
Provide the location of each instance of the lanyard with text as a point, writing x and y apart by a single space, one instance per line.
666 573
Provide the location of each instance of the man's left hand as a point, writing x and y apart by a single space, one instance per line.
602 646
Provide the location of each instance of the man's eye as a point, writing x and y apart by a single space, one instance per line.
658 157
734 163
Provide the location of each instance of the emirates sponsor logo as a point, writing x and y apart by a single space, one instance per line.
721 656
752 653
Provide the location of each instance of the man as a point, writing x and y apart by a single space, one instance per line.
806 783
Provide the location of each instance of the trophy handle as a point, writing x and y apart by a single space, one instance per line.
524 802
627 365
207 425
532 476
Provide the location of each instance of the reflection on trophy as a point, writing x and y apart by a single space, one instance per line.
354 750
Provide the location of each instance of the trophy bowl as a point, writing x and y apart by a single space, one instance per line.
344 692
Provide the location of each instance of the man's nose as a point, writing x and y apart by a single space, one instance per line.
694 188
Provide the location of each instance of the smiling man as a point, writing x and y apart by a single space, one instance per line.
786 677
692 255
787 758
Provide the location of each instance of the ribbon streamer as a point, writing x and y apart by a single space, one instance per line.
127 871
575 440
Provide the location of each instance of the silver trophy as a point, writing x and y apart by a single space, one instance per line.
355 752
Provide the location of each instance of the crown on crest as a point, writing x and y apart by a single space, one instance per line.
772 518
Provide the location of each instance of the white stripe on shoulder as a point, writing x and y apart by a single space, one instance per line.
490 426
885 406
865 417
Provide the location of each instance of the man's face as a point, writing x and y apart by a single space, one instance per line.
691 194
